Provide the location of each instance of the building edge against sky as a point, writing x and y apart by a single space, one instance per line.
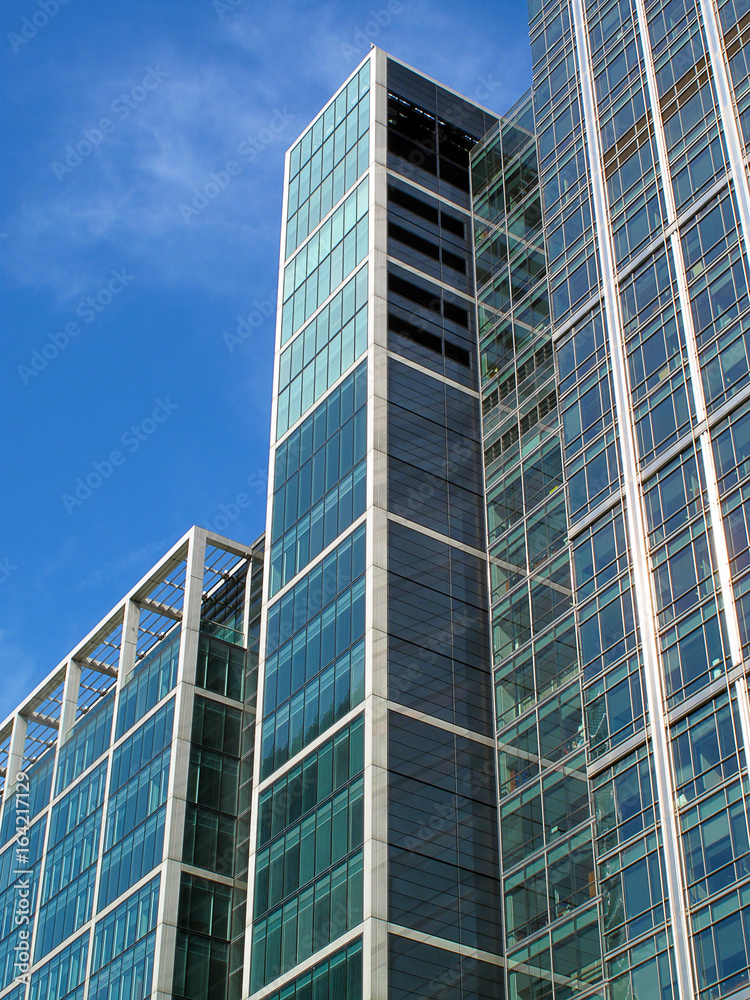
126 799
553 502
374 398
639 197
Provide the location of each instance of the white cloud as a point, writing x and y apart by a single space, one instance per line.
328 40
121 204
123 199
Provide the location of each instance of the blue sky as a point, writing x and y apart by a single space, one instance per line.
115 300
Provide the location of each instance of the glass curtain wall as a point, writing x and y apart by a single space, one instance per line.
308 873
549 887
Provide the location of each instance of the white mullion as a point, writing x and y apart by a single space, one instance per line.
657 719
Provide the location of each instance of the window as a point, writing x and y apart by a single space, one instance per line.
322 773
154 677
220 667
320 478
63 976
339 976
202 954
328 159
308 922
135 819
322 352
320 266
88 740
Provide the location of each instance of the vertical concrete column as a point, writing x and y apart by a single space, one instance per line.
69 707
191 608
169 897
129 642
15 759
375 911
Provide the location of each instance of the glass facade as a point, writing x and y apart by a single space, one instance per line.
376 598
496 658
635 214
548 893
442 846
319 479
328 159
163 692
307 886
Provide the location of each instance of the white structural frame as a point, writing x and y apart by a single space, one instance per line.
190 549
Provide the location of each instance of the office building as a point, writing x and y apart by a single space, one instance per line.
372 861
494 639
549 896
623 254
375 617
126 790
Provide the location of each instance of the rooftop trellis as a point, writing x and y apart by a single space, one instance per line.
169 589
224 576
107 648
94 686
99 667
161 602
159 598
152 628
43 723
4 755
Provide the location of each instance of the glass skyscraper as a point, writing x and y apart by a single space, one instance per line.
381 875
493 638
621 754
126 792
